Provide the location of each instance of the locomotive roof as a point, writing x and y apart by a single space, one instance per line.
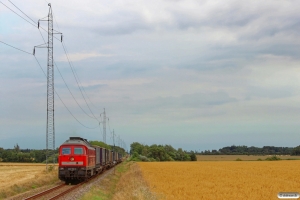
77 140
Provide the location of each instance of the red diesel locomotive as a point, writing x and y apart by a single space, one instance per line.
79 160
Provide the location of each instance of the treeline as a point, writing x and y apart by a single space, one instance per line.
244 150
39 156
26 155
140 152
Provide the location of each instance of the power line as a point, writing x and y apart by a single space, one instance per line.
55 63
55 90
100 129
21 11
70 64
16 48
19 15
35 25
42 35
60 73
64 50
85 91
61 99
71 92
28 18
109 126
73 66
89 99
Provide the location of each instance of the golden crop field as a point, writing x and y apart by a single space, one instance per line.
19 177
222 180
242 157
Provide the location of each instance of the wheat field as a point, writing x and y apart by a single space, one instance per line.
242 157
222 180
16 178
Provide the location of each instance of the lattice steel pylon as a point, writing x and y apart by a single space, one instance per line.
50 129
104 127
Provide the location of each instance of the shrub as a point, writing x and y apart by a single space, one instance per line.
238 159
134 159
152 160
143 158
50 168
273 158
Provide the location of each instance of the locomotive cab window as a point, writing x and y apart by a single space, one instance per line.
78 151
66 151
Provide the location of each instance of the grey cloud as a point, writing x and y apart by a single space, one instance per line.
95 87
121 23
235 57
129 21
196 100
270 93
211 99
268 28
232 17
132 69
187 50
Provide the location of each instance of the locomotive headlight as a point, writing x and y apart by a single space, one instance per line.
72 159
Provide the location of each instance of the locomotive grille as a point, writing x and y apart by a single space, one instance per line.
72 163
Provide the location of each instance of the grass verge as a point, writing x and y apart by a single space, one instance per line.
126 183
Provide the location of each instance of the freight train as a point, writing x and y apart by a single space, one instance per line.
79 160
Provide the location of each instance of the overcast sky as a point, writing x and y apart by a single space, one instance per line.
190 73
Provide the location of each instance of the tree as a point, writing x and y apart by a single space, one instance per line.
136 147
180 154
100 144
193 156
296 151
17 148
140 152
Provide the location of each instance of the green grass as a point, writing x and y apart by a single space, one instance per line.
106 189
121 168
3 195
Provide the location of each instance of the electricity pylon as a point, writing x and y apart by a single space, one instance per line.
50 129
104 127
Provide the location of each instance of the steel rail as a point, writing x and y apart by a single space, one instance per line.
76 186
45 192
68 190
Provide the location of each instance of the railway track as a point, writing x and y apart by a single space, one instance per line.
51 193
59 191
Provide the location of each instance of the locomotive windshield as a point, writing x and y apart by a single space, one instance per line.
66 151
78 151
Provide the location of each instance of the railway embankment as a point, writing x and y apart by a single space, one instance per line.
125 182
